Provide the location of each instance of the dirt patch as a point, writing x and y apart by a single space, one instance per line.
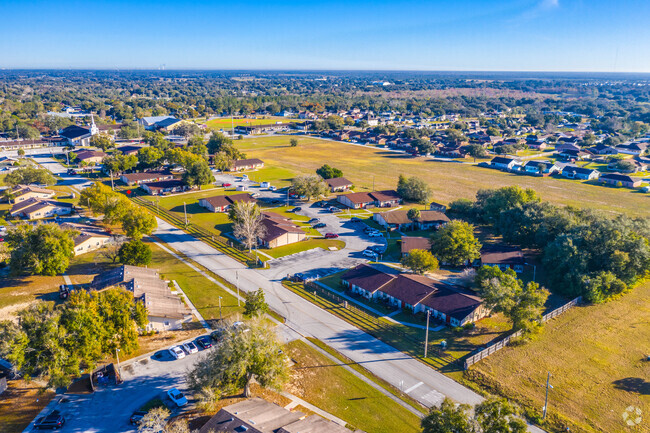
20 404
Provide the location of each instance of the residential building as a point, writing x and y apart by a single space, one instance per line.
90 238
505 163
541 167
38 208
616 179
163 187
635 148
414 243
91 156
437 207
280 231
361 200
165 310
25 192
145 177
247 164
222 203
399 220
7 161
76 135
603 149
129 149
338 184
416 293
573 172
502 256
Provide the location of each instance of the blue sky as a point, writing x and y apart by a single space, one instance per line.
507 35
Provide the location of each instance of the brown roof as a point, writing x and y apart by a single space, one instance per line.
410 289
85 154
369 197
246 162
276 225
415 243
426 216
19 190
33 204
148 175
254 415
369 278
338 182
313 424
452 302
496 254
162 184
220 201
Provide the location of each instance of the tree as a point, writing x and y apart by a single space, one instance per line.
111 250
119 163
223 161
327 172
129 130
491 202
448 418
154 421
28 175
45 249
21 153
476 150
135 253
150 157
492 131
456 244
413 214
497 415
217 141
102 141
255 304
293 142
187 129
242 357
138 222
455 135
197 173
27 132
309 187
247 222
413 189
420 261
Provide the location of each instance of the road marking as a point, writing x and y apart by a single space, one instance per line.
413 387
434 398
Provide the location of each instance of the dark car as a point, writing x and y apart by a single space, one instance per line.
320 225
379 249
299 277
137 417
355 219
54 420
216 335
296 209
204 342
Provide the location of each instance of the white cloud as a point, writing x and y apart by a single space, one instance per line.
549 4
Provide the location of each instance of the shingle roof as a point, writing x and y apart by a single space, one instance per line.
246 162
33 204
277 225
86 154
148 175
338 182
256 415
220 201
501 255
369 197
74 131
415 243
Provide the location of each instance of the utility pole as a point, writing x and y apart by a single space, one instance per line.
237 284
185 211
426 335
117 351
112 186
220 315
548 385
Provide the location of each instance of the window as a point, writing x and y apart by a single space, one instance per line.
166 323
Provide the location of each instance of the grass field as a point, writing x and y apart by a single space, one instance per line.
449 181
226 122
20 404
597 356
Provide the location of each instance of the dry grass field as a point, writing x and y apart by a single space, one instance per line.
449 180
598 358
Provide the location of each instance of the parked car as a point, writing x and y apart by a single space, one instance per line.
177 397
177 352
296 209
320 225
204 341
190 348
331 236
369 253
226 185
314 220
137 416
379 249
265 185
216 334
273 188
355 219
375 234
334 209
369 229
244 177
54 420
298 276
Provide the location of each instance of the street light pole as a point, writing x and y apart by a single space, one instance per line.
118 359
548 385
426 335
220 315
237 284
185 211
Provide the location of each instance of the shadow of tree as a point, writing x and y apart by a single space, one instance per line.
635 385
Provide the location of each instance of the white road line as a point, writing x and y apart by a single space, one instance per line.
413 387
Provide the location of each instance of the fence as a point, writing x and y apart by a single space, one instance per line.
221 243
473 359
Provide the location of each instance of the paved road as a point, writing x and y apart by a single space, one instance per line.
422 383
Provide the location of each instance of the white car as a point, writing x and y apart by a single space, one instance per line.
244 177
177 397
190 348
374 234
370 253
177 352
265 185
273 188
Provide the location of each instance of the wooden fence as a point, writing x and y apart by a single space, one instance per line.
473 359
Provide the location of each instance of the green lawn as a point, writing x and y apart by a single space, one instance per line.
337 391
226 122
305 245
449 181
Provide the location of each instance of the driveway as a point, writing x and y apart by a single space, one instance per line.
108 409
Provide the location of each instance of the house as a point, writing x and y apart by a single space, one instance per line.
414 243
254 415
502 256
634 148
91 156
603 149
164 187
574 155
25 192
567 147
573 172
617 179
399 220
338 184
247 164
438 207
145 177
360 200
504 163
279 231
129 149
416 293
541 167
7 161
165 310
159 122
169 124
222 203
90 238
37 208
76 135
